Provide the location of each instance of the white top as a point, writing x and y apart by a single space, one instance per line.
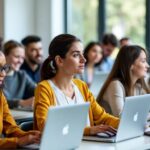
62 99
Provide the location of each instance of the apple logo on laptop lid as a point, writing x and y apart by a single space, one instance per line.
65 129
135 117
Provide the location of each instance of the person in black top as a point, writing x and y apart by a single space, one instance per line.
33 56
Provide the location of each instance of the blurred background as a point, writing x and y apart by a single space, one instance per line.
87 19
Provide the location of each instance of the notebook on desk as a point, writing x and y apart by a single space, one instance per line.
132 121
64 127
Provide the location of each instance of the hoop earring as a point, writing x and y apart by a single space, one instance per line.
52 66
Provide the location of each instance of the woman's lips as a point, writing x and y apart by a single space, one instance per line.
82 67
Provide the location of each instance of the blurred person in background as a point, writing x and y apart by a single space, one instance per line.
124 41
125 79
109 43
93 54
33 56
19 88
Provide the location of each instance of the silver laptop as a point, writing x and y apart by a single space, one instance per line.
98 80
64 127
132 121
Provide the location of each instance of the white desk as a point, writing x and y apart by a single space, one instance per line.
140 143
21 116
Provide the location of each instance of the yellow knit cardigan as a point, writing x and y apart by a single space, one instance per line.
44 98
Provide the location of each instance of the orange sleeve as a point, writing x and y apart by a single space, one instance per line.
96 112
86 131
8 143
99 114
43 100
10 127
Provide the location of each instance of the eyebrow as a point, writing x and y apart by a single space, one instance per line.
75 51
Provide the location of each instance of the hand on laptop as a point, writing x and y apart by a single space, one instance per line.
110 131
30 138
106 134
147 129
27 102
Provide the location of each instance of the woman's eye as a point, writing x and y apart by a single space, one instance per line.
76 55
16 56
143 61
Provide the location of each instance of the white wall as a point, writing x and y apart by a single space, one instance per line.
19 18
49 20
43 22
57 17
23 17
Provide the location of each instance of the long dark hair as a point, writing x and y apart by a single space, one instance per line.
87 49
60 45
125 58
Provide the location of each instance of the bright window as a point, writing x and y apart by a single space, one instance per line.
83 19
126 18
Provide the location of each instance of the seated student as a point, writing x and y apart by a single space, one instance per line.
93 54
124 41
19 88
59 88
125 79
14 136
33 56
109 43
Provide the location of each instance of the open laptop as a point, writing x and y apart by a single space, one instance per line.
98 80
132 121
64 127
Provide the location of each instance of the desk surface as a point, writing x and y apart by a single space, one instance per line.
139 143
17 114
21 116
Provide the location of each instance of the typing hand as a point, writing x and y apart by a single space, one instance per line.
27 102
94 130
30 138
147 131
106 134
